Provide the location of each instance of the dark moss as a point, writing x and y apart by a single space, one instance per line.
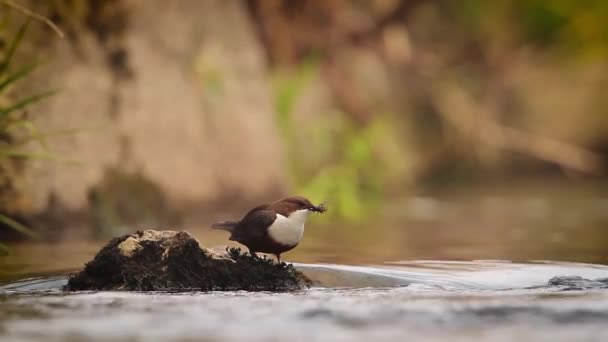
176 262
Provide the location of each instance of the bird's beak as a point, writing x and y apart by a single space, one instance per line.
321 208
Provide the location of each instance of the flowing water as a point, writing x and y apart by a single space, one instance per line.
358 295
434 300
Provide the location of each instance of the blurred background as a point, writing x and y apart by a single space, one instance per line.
435 129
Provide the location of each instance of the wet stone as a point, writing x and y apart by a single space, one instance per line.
578 283
174 261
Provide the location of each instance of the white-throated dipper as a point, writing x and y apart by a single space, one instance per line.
272 228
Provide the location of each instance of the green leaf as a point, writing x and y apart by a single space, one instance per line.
18 227
289 87
23 103
10 79
14 44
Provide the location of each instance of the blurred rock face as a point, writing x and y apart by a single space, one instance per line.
181 99
171 101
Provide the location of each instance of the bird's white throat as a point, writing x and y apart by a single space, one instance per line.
288 231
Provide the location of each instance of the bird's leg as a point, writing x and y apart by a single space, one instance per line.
253 253
278 258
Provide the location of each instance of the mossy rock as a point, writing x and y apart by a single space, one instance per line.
174 261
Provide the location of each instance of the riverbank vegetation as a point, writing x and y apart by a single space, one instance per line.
16 129
353 102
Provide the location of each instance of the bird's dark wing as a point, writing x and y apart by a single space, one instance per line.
254 210
253 226
230 225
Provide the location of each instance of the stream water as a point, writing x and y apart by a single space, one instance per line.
358 295
430 300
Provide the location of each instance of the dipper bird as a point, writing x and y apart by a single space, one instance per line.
272 228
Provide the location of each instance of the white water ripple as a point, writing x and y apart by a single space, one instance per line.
429 300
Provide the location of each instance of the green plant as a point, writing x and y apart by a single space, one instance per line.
15 128
338 162
352 179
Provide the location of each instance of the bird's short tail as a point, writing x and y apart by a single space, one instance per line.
225 225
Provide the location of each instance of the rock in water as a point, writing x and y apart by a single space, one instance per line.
578 283
174 261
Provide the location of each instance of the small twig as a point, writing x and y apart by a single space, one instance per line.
34 15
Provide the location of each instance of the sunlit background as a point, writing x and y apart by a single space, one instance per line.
453 130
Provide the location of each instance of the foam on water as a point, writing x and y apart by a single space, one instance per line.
446 275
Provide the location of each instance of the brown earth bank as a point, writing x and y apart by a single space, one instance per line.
171 110
163 113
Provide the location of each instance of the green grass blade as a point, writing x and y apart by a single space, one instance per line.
27 155
36 135
18 227
10 79
27 101
13 46
38 156
3 250
33 134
